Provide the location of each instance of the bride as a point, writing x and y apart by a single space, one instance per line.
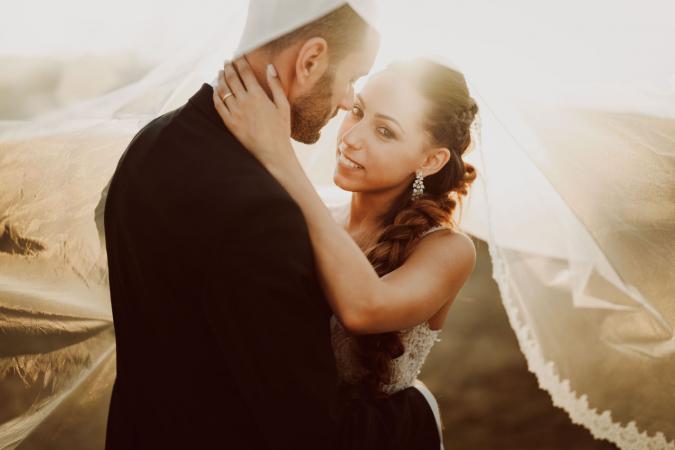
392 261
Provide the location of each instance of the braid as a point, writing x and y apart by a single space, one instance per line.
393 245
406 220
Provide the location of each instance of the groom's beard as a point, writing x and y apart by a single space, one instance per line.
311 112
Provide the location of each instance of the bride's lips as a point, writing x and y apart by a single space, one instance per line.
340 153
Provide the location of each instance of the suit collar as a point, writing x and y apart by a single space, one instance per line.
203 101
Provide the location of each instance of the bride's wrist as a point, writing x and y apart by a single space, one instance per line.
283 161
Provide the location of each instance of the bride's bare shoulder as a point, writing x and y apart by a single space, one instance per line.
454 253
447 247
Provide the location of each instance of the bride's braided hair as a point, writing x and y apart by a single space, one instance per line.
448 122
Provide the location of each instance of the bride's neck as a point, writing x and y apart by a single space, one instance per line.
366 210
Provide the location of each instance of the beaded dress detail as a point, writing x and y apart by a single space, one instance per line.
417 342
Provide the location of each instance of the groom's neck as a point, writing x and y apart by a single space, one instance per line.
257 61
283 63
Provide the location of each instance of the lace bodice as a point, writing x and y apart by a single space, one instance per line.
417 342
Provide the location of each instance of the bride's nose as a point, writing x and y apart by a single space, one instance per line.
351 138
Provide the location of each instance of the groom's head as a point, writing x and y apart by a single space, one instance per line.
318 65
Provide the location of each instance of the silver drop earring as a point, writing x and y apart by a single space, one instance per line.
418 185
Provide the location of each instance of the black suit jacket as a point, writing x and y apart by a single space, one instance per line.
222 329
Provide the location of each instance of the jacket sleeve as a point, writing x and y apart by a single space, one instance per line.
272 326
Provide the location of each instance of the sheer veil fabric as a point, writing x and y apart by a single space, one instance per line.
576 159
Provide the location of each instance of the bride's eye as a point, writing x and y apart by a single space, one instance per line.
356 111
386 132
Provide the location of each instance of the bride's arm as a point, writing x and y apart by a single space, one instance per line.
364 302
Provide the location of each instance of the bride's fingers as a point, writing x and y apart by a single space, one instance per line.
222 110
247 77
233 81
278 94
221 88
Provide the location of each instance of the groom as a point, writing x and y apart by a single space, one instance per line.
222 329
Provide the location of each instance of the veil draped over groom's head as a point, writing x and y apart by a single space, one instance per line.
349 40
268 20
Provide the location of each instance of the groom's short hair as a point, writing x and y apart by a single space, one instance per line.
343 29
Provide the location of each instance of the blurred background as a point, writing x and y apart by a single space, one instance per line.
487 396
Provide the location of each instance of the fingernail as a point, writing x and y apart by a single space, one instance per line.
271 71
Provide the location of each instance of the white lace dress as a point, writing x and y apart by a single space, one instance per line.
417 342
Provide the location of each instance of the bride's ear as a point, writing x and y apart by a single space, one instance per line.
435 160
311 62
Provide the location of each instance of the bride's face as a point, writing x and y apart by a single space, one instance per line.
384 135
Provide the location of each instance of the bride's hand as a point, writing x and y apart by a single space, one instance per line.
262 125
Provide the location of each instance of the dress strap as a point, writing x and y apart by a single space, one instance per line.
431 230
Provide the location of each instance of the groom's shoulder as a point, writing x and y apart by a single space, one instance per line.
196 149
189 152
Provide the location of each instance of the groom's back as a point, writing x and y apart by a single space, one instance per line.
184 212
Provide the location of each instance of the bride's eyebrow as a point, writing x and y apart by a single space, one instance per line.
381 116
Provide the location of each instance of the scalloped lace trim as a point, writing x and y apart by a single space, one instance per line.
601 425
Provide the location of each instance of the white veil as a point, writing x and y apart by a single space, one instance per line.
575 194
